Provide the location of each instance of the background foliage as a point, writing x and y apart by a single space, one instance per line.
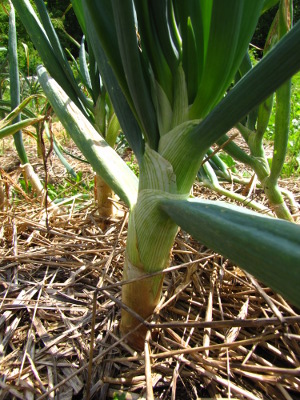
64 17
264 24
64 20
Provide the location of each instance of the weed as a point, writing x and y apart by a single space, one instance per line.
133 165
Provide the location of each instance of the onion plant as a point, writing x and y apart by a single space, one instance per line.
253 128
15 103
9 127
86 91
15 82
13 123
166 66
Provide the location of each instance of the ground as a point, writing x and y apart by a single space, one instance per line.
218 332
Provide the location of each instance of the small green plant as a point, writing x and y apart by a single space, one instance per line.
70 188
133 165
25 185
118 396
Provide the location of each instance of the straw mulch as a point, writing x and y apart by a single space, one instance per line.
218 332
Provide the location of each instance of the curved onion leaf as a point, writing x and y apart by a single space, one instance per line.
14 128
104 160
266 247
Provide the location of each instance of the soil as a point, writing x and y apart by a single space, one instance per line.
218 332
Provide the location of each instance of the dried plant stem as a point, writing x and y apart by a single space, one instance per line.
209 312
90 366
104 197
149 388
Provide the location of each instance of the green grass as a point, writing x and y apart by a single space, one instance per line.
67 188
70 187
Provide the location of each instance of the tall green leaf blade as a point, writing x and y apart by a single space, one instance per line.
182 12
149 30
266 247
84 66
206 8
100 17
161 19
173 29
58 50
269 4
250 12
81 77
78 10
194 18
194 21
124 113
283 101
13 62
245 67
93 72
282 62
58 152
231 28
15 82
191 68
136 79
104 160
